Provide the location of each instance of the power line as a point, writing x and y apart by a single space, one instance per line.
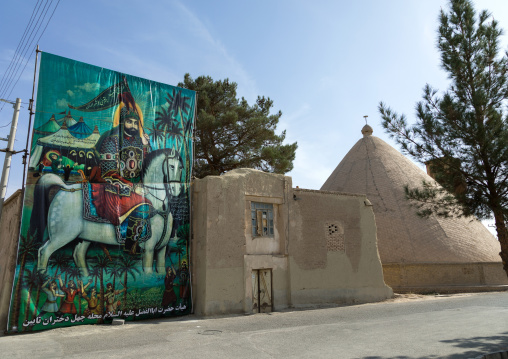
22 54
21 45
27 46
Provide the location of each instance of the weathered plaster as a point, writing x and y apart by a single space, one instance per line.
9 234
304 271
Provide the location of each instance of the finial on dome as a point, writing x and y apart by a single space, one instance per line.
367 131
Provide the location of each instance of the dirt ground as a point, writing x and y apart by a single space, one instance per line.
408 297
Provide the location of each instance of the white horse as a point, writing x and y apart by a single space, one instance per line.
161 177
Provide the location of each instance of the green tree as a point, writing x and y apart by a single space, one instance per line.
102 263
28 247
127 266
463 134
231 134
157 136
33 279
58 261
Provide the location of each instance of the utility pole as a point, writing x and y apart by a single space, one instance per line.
9 151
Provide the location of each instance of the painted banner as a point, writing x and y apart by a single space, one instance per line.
105 225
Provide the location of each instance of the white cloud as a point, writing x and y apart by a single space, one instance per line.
62 102
89 87
287 120
308 171
246 84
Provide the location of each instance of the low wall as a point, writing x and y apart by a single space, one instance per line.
432 275
9 233
322 249
333 250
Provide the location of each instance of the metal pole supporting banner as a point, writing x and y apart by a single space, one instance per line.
8 154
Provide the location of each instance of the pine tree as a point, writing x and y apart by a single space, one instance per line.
463 134
231 134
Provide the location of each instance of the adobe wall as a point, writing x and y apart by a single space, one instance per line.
446 276
223 250
9 233
305 272
333 249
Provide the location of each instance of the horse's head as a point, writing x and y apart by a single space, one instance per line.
172 172
162 175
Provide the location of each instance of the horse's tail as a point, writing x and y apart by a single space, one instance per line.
41 203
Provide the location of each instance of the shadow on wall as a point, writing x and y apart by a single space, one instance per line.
478 347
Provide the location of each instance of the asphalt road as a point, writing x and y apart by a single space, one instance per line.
464 326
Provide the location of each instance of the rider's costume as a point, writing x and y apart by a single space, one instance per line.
114 184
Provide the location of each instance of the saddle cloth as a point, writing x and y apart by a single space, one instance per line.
135 225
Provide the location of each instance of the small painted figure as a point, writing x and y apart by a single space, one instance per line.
67 306
40 167
56 163
93 301
67 172
169 296
52 293
184 281
110 298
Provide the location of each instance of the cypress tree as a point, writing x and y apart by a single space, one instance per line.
462 134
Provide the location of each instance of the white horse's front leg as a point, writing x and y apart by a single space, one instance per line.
161 260
80 257
44 253
148 261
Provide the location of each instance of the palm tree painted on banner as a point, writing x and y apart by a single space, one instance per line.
183 241
33 280
59 261
40 278
114 271
171 122
168 125
102 263
94 273
156 135
178 105
28 247
128 266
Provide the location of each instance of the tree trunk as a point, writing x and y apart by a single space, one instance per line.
27 307
101 295
37 296
502 236
14 318
125 293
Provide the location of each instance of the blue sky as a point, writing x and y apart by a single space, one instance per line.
325 64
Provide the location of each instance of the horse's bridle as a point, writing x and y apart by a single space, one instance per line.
167 189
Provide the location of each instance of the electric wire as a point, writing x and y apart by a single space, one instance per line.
13 60
18 54
29 46
26 62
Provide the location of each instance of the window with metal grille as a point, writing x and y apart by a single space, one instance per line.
262 219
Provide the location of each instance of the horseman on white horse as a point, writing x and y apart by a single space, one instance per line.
127 198
115 190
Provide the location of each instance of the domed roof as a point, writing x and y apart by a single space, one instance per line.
374 168
367 131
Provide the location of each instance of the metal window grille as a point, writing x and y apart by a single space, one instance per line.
262 219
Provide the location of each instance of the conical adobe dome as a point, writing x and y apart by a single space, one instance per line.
375 168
